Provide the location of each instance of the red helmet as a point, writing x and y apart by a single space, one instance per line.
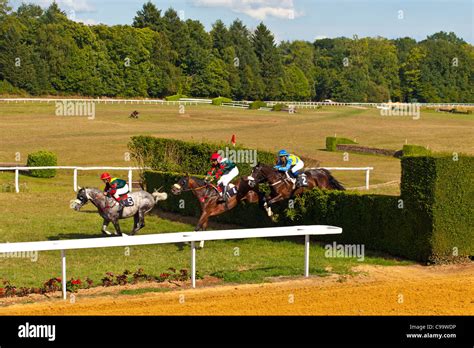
216 157
105 176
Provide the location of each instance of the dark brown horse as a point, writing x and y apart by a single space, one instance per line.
282 187
208 197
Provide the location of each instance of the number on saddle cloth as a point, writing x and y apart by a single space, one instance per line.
127 200
231 190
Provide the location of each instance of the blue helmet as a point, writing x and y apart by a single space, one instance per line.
283 153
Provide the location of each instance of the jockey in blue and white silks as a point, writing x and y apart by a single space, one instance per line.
289 163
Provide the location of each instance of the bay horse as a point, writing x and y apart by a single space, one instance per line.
208 197
108 207
281 187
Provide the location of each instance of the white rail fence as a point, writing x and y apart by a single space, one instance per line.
131 169
167 238
196 101
75 173
107 101
365 169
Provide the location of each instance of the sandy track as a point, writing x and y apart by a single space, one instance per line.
377 290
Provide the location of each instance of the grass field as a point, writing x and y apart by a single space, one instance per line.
42 212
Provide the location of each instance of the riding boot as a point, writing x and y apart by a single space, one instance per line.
222 194
121 205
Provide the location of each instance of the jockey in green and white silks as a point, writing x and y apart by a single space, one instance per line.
223 170
289 163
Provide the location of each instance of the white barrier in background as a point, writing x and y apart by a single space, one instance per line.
131 169
366 169
167 238
196 101
74 168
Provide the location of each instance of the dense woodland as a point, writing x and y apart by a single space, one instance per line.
42 52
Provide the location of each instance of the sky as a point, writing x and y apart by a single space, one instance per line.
297 19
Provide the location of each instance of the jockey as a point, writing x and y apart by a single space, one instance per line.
223 170
289 163
114 186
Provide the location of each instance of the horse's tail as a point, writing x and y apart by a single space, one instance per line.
335 184
159 196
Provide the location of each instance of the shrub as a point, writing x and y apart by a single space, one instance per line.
257 105
332 142
175 97
220 100
173 155
279 107
415 150
42 159
6 88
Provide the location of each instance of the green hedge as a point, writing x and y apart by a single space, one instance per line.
173 155
331 142
279 107
257 105
415 150
220 100
439 191
41 159
175 97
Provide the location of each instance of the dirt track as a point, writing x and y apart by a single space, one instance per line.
377 290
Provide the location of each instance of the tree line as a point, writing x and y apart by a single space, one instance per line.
43 52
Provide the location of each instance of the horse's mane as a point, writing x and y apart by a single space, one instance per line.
200 182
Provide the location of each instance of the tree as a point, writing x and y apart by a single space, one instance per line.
269 61
220 37
148 17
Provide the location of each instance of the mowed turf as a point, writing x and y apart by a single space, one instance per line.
42 211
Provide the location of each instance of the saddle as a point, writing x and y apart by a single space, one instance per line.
125 200
230 191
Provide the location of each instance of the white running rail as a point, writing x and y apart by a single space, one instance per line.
167 238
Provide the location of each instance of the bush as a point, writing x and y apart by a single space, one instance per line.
332 142
173 155
438 191
175 97
220 100
6 88
257 105
415 150
279 107
42 159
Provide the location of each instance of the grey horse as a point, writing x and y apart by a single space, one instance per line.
108 207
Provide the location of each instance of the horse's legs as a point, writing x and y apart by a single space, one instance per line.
268 204
118 232
136 224
202 225
104 227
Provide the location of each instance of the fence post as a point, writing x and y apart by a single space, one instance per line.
306 255
193 264
367 175
17 178
130 178
63 269
75 180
